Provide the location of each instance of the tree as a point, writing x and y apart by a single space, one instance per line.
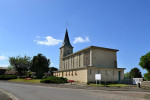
127 75
147 76
135 73
145 61
9 68
51 69
20 64
40 65
145 64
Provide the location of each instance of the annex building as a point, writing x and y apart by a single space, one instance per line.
82 65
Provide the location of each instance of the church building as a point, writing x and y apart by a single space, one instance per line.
82 65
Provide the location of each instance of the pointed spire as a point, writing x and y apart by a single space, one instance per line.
66 40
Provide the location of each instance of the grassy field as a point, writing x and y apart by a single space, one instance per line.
109 85
24 80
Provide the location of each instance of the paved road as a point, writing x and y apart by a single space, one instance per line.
4 96
30 92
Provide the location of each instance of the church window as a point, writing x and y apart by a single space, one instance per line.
115 64
90 71
68 64
69 73
98 71
64 64
79 60
75 73
87 58
72 73
113 72
68 51
73 62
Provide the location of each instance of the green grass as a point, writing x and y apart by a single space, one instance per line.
24 80
110 85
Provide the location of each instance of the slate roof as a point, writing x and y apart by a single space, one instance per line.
66 40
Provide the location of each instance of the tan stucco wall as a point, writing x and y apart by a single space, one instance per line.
77 75
110 74
103 58
84 75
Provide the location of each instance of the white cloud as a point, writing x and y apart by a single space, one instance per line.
4 65
50 41
3 57
81 40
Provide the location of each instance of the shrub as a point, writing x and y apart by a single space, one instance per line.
19 77
35 77
87 83
2 71
7 77
53 79
44 77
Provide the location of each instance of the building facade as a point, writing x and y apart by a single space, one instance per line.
82 65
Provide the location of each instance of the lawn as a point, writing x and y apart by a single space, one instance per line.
110 85
24 80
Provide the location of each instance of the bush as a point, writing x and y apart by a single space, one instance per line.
39 76
7 77
2 71
53 79
35 77
44 77
19 77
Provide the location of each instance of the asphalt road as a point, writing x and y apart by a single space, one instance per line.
4 96
30 92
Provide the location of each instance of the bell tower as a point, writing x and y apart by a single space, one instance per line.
65 49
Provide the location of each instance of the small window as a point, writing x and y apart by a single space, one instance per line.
69 73
72 73
113 72
75 73
90 71
68 51
106 71
98 71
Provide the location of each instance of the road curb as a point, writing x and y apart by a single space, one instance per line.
9 94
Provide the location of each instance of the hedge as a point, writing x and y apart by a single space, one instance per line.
7 77
53 79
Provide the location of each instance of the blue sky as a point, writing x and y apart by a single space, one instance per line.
38 26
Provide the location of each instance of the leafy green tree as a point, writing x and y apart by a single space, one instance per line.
9 68
40 65
147 76
145 61
135 73
20 64
51 69
145 64
127 75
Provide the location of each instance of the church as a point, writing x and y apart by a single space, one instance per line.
82 65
